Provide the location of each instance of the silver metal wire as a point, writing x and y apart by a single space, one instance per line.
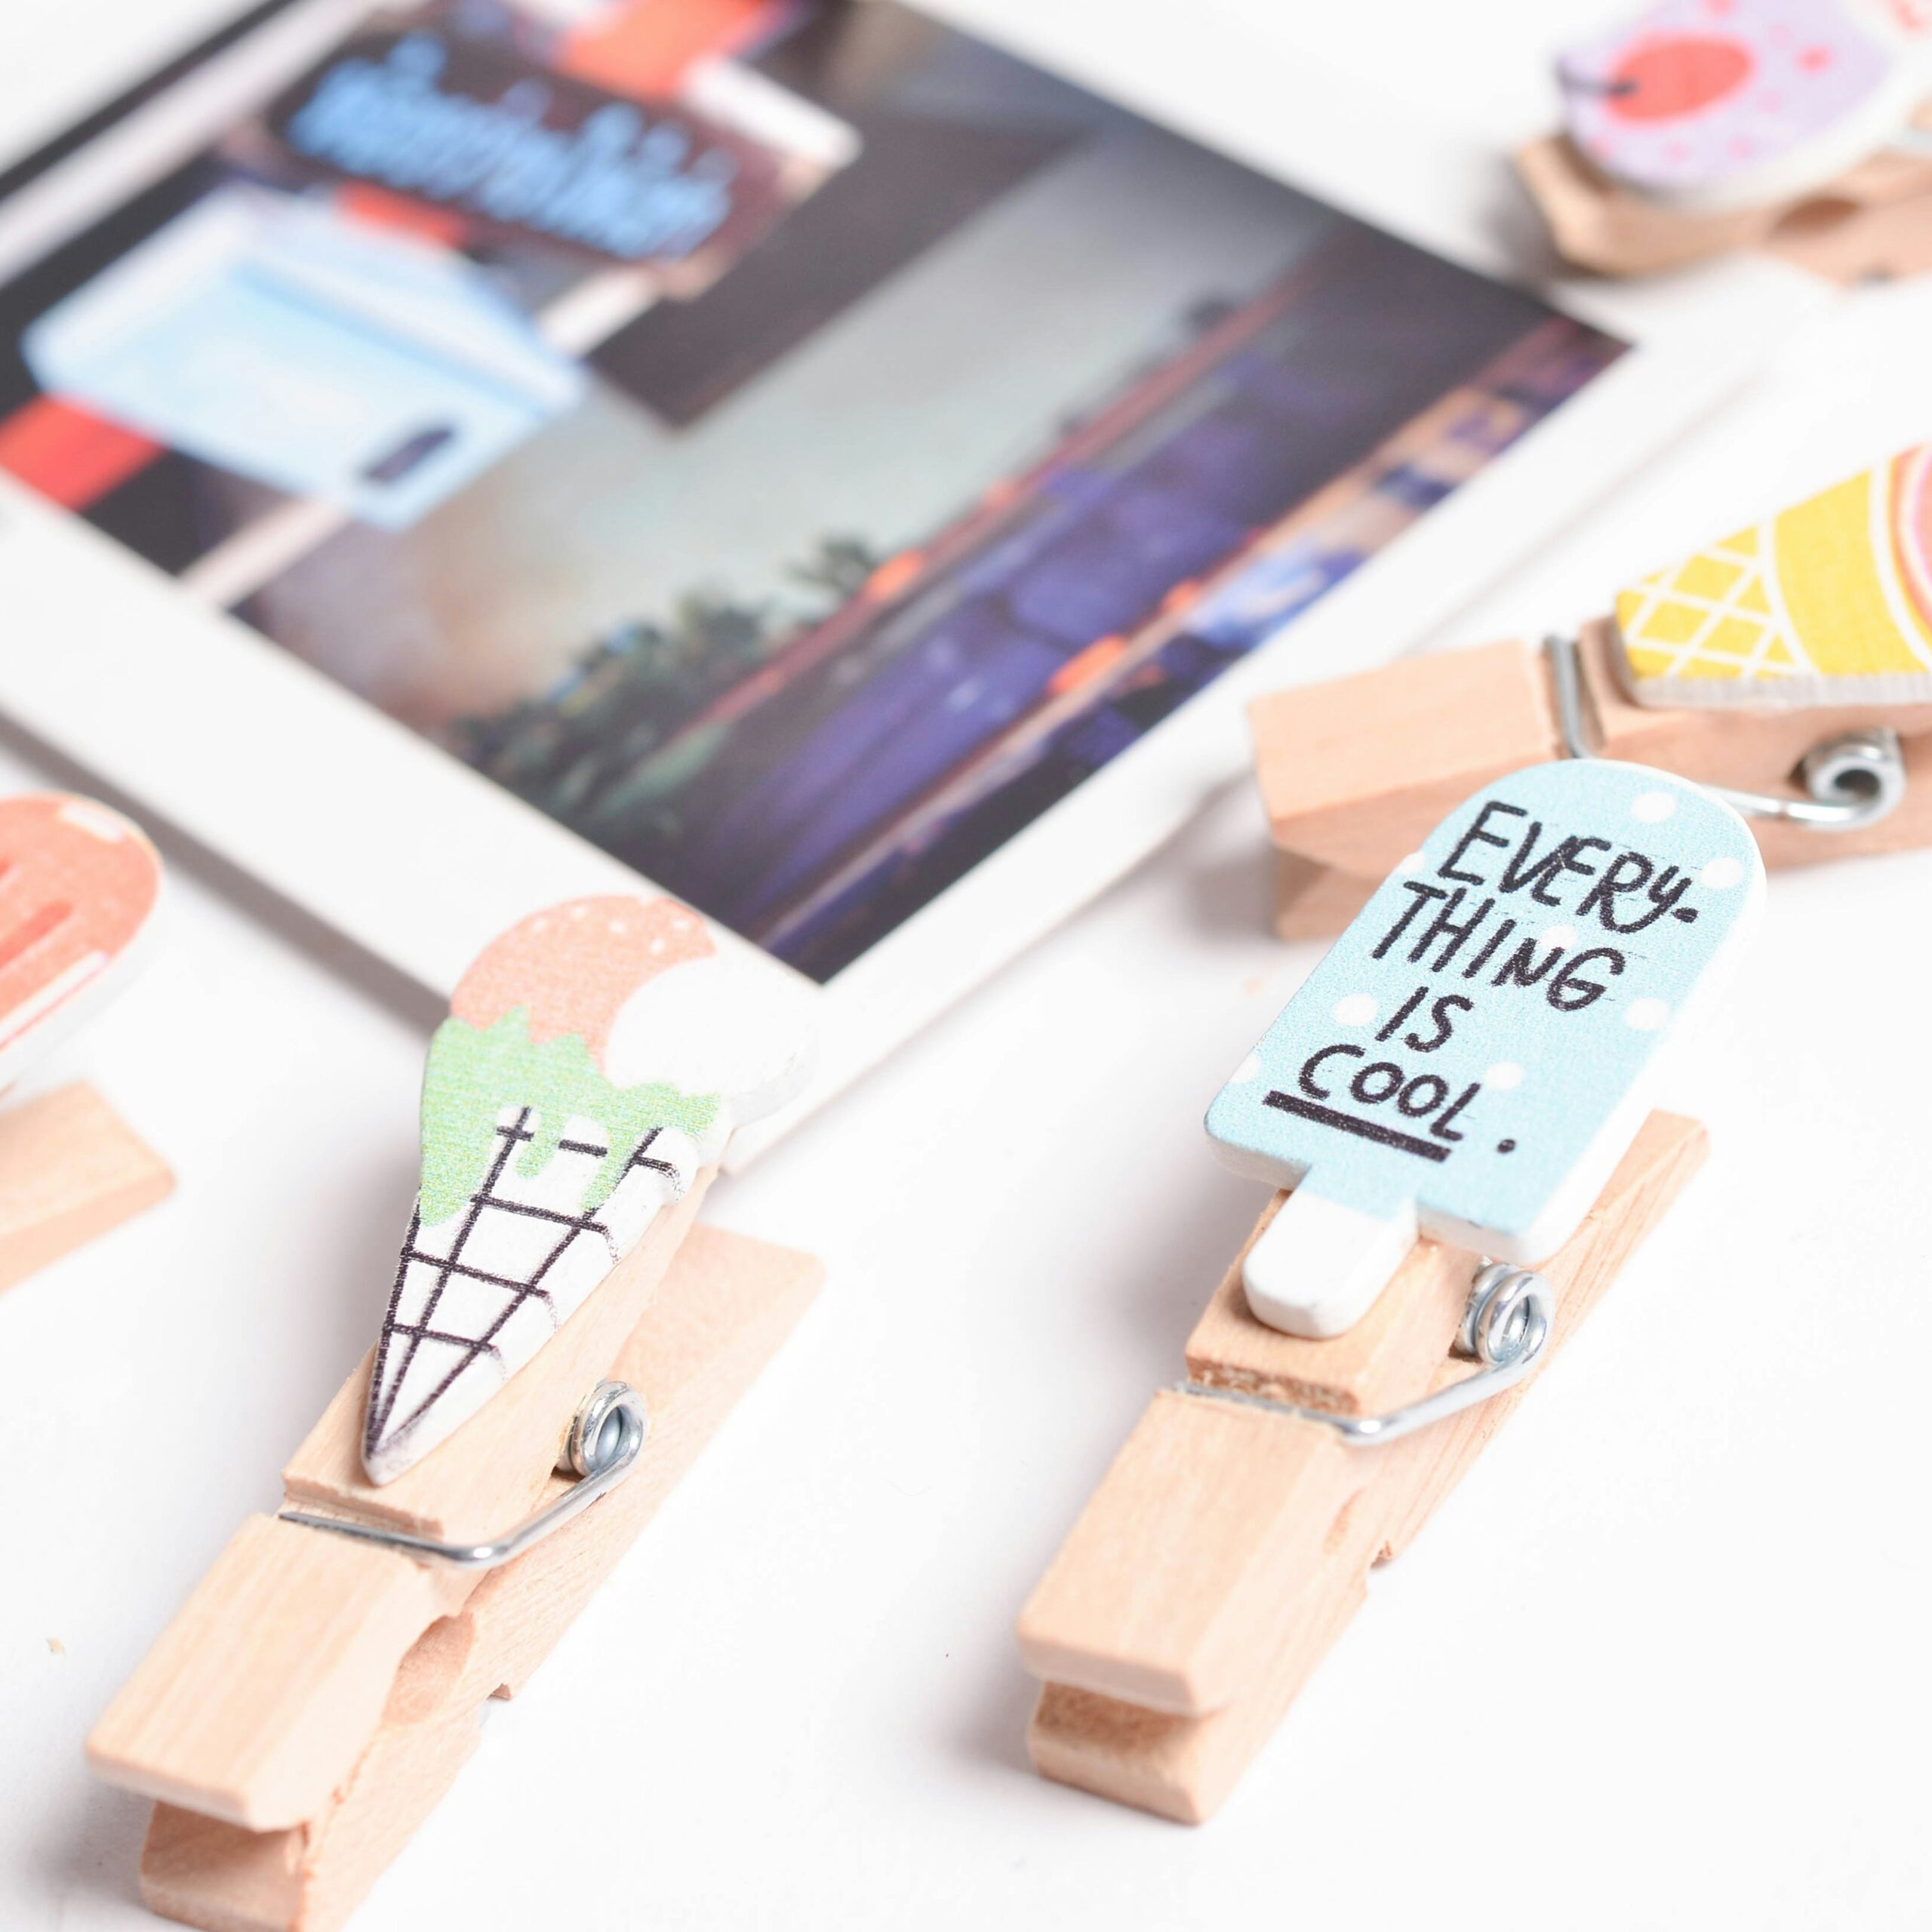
1854 780
1505 1328
607 1435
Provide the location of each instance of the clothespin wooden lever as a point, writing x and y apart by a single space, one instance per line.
1799 125
1470 1059
78 889
1789 664
1230 1544
1874 221
459 1500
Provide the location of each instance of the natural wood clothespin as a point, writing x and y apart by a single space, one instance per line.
1800 126
1228 1545
1873 221
1790 664
1457 1089
78 889
555 1353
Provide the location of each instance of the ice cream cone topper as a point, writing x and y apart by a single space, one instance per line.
1473 1057
1787 667
596 1057
78 885
1827 602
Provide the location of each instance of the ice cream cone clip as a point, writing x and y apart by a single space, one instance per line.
561 1340
1829 601
596 1057
78 887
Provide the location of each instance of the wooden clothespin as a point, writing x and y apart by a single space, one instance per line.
1457 1090
78 885
1790 665
559 1337
1803 126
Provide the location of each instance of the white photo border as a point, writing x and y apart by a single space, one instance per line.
379 834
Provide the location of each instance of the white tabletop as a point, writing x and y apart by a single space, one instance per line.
1659 1660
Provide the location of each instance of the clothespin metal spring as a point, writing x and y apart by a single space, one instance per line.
1504 1327
607 1435
1854 779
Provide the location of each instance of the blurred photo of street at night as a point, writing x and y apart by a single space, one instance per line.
950 428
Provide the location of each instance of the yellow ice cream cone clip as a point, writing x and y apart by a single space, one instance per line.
1829 602
1787 668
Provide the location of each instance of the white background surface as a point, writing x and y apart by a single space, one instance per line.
1660 1661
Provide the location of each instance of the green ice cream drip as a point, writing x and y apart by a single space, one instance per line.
474 1073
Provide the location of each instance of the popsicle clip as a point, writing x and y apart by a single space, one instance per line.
1701 126
1788 666
78 885
559 1335
1455 1105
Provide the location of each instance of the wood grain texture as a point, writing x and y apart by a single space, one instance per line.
257 1699
1181 1764
1186 1553
1313 902
70 1169
1599 226
1343 819
726 1304
204 1871
1758 749
490 1474
1378 1363
1883 241
1875 219
1184 1768
1348 770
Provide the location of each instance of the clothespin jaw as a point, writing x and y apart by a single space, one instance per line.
79 888
311 1702
1874 221
1473 1055
1799 125
1789 664
1231 1541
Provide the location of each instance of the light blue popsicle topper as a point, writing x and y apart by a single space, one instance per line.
1474 1056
